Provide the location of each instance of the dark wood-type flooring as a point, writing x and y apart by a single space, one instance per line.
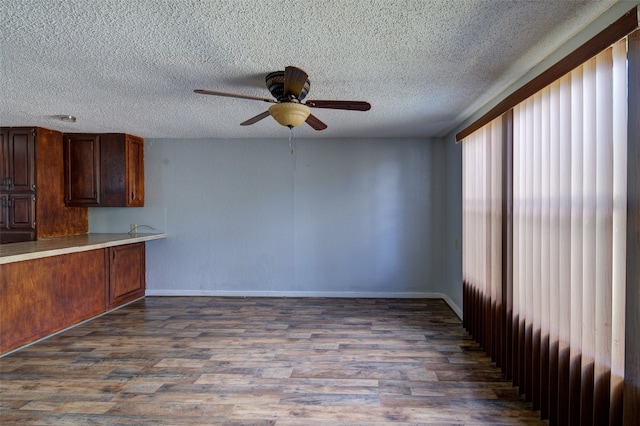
284 361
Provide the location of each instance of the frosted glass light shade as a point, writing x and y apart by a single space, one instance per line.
290 114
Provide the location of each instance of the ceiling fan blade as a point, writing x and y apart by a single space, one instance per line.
233 95
314 122
348 105
255 119
294 81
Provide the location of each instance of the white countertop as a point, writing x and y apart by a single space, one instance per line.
45 247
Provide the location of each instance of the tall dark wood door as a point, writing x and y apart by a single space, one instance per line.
21 160
17 184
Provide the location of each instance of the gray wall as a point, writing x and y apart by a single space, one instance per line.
345 217
349 217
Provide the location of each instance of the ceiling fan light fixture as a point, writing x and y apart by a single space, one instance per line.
290 114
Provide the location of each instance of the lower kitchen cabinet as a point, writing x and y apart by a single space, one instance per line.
126 273
17 218
41 296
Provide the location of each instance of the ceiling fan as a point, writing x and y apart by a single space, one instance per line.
289 88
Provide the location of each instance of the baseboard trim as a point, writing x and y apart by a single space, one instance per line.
452 305
326 294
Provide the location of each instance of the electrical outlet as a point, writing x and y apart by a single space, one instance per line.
132 228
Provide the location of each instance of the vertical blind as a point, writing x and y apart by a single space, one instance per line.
556 323
481 228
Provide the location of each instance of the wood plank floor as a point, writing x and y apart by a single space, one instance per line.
207 360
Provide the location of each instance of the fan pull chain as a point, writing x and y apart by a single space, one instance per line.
292 142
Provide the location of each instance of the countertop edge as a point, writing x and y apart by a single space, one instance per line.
72 244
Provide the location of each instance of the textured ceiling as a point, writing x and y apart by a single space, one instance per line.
132 66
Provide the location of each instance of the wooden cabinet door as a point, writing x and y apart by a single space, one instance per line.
18 218
21 152
22 211
135 171
126 273
82 170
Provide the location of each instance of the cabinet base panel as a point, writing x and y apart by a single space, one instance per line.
42 339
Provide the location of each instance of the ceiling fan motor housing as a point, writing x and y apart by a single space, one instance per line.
275 84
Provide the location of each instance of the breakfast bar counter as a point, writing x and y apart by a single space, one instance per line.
45 247
54 283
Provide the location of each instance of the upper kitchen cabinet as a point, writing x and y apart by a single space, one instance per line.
32 187
103 170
